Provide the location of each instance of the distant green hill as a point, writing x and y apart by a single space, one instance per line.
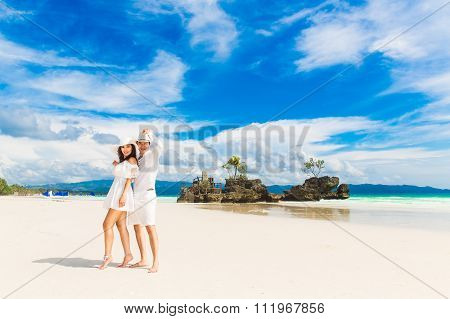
378 189
101 187
166 188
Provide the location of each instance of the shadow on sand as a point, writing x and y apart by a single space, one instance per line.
74 262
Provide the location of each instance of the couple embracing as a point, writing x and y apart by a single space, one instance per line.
136 205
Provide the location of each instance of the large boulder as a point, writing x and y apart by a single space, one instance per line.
329 195
243 190
323 184
244 196
315 189
305 193
186 195
343 191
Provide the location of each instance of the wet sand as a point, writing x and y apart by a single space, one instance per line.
431 217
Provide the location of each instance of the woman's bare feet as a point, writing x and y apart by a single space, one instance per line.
106 261
125 261
154 267
142 263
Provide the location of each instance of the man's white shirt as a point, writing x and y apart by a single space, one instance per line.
148 168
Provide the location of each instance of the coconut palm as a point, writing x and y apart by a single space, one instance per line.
234 166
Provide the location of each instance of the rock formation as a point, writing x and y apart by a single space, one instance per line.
317 188
239 190
242 190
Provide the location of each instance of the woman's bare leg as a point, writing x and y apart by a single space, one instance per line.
138 229
125 238
108 233
154 244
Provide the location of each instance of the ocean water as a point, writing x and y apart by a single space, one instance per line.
405 199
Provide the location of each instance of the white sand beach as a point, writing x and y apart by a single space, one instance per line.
331 250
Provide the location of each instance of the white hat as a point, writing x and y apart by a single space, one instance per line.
124 141
146 137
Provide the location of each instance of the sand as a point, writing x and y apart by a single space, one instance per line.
211 253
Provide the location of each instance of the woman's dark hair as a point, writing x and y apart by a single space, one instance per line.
123 158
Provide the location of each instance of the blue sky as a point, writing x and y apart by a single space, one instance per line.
229 65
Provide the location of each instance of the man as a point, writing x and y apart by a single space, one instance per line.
144 216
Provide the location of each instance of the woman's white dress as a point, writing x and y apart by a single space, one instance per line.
121 172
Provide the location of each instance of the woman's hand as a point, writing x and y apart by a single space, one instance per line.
115 163
122 201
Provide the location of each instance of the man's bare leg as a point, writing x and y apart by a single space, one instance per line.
138 229
154 244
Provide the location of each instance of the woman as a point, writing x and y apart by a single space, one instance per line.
119 201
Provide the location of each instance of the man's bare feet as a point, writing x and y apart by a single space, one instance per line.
142 263
106 261
125 261
154 267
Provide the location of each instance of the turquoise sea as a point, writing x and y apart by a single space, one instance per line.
408 198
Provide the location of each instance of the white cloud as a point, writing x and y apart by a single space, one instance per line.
306 12
70 82
205 20
287 20
369 28
270 152
264 32
30 161
36 150
331 43
19 121
138 92
419 58
435 82
10 14
348 33
11 52
292 18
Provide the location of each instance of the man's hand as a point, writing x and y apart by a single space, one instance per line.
122 201
145 131
115 163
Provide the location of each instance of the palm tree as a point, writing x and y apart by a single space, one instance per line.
234 165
